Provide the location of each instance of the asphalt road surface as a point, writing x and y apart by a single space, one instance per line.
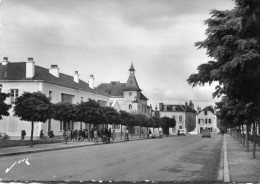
185 158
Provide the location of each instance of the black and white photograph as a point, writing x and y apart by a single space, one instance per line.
130 91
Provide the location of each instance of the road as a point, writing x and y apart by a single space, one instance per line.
185 158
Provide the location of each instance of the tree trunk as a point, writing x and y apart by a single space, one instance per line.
243 135
247 135
254 132
31 143
121 132
89 127
140 131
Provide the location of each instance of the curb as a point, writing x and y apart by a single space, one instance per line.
61 148
226 169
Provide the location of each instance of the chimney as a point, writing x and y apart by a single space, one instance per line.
30 68
160 106
91 82
76 77
5 61
54 70
191 105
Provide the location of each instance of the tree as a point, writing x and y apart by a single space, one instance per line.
167 123
141 121
90 112
111 115
33 107
65 112
233 42
3 106
125 119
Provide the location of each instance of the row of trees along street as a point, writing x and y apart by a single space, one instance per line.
233 41
36 107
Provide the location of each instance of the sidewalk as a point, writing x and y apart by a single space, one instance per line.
54 146
242 166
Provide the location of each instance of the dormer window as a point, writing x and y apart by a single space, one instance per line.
165 108
130 106
173 108
205 112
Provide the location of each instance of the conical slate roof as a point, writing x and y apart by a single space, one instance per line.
131 84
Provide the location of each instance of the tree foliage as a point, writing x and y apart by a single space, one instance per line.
90 112
3 106
233 41
64 111
33 107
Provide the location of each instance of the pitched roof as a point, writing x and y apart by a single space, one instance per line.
142 97
208 108
178 108
113 88
131 84
17 71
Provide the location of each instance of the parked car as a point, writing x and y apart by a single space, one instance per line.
192 133
182 132
206 133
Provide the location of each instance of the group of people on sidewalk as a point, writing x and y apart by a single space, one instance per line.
104 135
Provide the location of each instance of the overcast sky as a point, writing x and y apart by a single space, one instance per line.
103 37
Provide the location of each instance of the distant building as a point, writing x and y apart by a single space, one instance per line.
19 77
128 95
185 116
206 119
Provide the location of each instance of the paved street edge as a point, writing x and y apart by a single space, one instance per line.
226 169
60 148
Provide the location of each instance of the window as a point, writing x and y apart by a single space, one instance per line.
61 125
209 120
66 98
130 93
173 117
49 125
81 99
130 106
50 94
173 108
206 121
180 118
205 112
116 127
14 94
180 127
165 108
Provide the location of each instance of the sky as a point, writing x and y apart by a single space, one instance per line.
103 38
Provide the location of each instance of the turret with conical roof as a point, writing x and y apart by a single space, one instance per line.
131 84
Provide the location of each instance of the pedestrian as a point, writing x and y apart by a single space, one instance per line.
65 136
113 136
96 136
150 133
109 135
23 134
178 133
86 134
160 134
127 134
41 134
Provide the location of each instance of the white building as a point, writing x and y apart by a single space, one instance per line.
184 116
19 77
206 119
129 97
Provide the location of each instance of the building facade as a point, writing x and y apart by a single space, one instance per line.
128 95
19 77
206 119
184 115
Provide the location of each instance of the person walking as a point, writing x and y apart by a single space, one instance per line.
178 133
113 136
65 136
96 136
127 134
41 135
23 134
